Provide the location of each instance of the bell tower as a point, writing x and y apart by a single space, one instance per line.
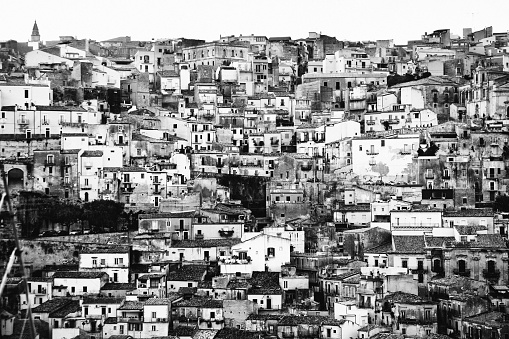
36 37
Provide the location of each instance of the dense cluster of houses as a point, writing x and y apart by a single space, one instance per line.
383 171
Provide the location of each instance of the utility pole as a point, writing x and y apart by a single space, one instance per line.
6 198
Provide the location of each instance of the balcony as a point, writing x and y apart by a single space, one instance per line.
405 152
319 140
463 273
86 187
373 152
420 270
306 167
424 321
130 319
390 121
429 175
234 164
493 275
443 193
274 142
226 233
23 121
72 124
208 116
198 236
219 165
45 122
49 162
370 122
446 176
158 320
258 143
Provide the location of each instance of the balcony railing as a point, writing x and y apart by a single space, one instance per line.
390 121
422 321
23 121
420 270
463 273
49 162
370 122
405 152
45 122
274 142
493 275
429 175
219 165
368 152
306 167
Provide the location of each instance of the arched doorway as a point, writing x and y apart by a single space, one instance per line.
86 196
462 266
15 179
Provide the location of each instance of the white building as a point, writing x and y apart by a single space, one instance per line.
113 261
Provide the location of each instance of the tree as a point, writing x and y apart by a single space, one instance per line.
66 213
501 203
380 168
103 213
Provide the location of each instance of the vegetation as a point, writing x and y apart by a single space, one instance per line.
501 203
431 151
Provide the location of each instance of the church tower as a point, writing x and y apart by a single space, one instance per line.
35 33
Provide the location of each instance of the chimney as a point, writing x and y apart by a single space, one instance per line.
87 45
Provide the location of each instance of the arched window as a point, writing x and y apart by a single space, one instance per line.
224 53
241 54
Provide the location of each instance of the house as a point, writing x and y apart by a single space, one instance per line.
316 326
204 313
262 251
200 250
117 289
265 291
114 261
408 314
40 290
495 324
79 283
186 276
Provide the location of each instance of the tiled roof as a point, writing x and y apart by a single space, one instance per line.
494 241
111 320
185 214
354 208
207 284
132 305
237 284
408 244
265 316
102 300
206 243
493 319
429 81
184 331
471 212
308 126
188 290
264 283
383 248
51 305
469 229
72 307
189 273
78 275
158 301
344 276
124 169
235 333
92 154
440 242
111 249
168 73
406 298
151 275
200 302
39 279
139 268
294 320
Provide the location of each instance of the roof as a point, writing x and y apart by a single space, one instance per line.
235 333
469 229
71 307
383 248
185 214
188 273
471 212
441 242
494 319
265 316
160 301
200 302
111 249
92 154
408 244
78 275
205 243
429 81
406 298
51 305
168 73
294 320
355 208
102 300
264 283
132 305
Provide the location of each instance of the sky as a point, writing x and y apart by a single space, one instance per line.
354 20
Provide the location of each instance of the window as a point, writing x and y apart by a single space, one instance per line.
85 288
271 251
26 94
404 263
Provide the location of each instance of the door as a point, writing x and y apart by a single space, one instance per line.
206 255
461 265
269 303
